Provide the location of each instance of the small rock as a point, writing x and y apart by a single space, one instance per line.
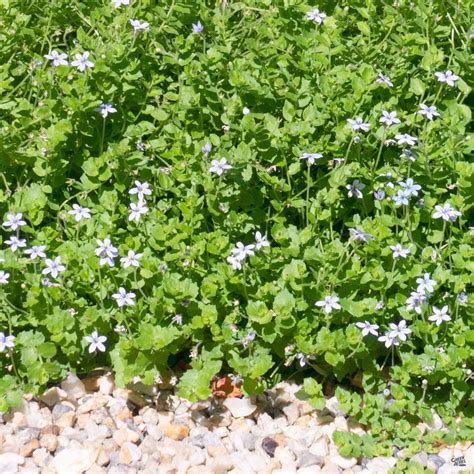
420 458
49 441
38 419
342 462
291 412
201 438
320 447
381 464
434 462
27 449
307 458
50 429
61 408
331 468
176 432
106 384
52 396
269 445
67 420
74 388
240 407
41 457
74 461
92 403
333 407
340 423
102 459
469 456
18 420
154 432
129 453
124 435
91 383
9 462
436 423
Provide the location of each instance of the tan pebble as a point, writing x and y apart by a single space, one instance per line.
81 420
304 420
91 383
50 429
217 451
95 469
279 438
124 414
176 432
98 401
124 435
18 420
129 453
49 441
166 458
27 450
66 420
103 458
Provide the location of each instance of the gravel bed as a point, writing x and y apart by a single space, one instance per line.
93 427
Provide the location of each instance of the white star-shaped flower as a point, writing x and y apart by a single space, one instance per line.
96 342
137 210
36 251
260 241
425 284
447 77
368 328
138 26
4 276
316 16
405 139
440 315
358 124
429 112
131 260
329 303
219 166
58 59
399 251
311 157
15 243
389 118
82 61
119 3
141 189
123 298
53 267
399 330
105 109
14 221
446 212
79 212
6 342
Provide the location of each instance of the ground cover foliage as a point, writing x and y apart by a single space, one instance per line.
282 220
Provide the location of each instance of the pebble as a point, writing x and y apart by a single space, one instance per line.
9 462
73 387
381 464
176 432
49 441
74 461
240 407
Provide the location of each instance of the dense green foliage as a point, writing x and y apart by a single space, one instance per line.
263 84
